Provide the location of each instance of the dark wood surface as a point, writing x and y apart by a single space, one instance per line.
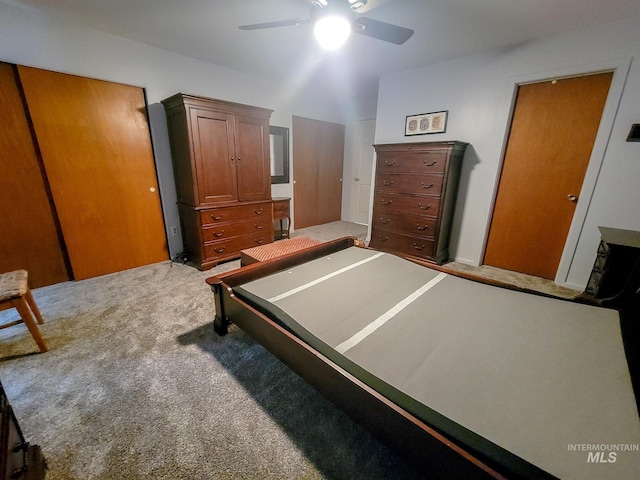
220 154
282 213
615 276
18 459
415 192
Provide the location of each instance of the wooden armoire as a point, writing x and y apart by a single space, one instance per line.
415 192
221 155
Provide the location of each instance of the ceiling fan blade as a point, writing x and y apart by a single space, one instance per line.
370 5
382 30
281 23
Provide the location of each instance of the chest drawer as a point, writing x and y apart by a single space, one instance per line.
409 183
215 233
232 246
395 242
406 162
413 225
389 204
219 215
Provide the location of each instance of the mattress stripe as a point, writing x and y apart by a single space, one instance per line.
389 314
322 279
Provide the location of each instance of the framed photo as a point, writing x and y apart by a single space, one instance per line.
424 123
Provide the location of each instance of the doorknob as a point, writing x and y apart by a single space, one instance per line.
572 198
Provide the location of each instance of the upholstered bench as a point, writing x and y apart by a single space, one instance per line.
275 249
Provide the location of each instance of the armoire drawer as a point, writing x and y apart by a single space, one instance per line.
225 231
423 162
233 213
413 225
409 183
386 204
408 245
232 246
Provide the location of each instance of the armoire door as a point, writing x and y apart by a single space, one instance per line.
29 235
95 145
213 152
252 155
552 134
318 157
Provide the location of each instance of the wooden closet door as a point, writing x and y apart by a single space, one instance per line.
306 143
552 134
318 157
29 234
95 144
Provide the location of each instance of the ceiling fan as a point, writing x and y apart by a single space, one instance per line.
345 10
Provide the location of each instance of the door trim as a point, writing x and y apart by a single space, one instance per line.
620 68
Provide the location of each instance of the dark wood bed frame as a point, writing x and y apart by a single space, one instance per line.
421 445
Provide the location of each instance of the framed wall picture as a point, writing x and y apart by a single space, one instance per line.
424 123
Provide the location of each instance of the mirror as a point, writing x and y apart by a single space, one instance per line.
279 137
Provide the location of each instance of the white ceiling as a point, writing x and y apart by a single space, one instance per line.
208 30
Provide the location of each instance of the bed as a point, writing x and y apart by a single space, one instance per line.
464 379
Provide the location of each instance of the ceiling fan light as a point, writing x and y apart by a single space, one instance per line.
332 31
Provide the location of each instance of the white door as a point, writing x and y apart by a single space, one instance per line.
364 156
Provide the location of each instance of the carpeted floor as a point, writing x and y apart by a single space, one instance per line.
136 385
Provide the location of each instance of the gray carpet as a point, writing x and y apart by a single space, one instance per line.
136 385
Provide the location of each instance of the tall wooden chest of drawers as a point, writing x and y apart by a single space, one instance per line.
416 186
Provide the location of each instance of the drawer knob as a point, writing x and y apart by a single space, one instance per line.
389 163
216 218
259 227
259 241
382 238
419 227
418 247
573 198
426 187
220 249
424 207
259 211
385 220
386 202
429 164
387 183
218 234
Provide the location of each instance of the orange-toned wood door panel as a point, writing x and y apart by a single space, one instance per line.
318 157
306 143
553 130
29 233
95 144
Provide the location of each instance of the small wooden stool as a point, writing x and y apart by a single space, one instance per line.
15 293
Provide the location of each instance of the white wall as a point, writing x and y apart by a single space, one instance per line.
478 92
31 39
